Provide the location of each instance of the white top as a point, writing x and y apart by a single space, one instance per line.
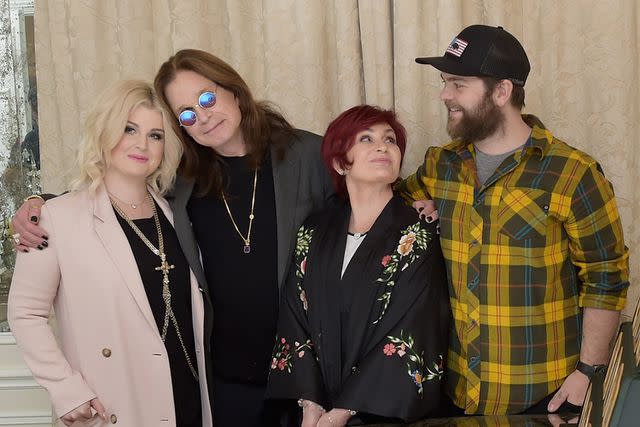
353 243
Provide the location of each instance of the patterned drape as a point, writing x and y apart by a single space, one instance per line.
316 58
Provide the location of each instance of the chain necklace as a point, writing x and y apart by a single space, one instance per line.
134 205
247 240
164 267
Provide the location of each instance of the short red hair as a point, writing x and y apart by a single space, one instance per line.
341 135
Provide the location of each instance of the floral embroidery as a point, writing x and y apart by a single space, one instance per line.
303 241
402 350
412 244
389 349
283 353
405 245
303 297
416 367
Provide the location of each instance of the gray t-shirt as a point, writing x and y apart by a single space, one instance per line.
486 164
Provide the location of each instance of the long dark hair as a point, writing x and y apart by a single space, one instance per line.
260 123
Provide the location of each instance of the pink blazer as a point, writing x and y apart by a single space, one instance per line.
109 345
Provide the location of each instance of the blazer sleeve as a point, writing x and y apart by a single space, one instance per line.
324 189
34 288
295 372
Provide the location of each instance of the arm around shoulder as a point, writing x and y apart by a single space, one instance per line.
25 224
311 152
414 187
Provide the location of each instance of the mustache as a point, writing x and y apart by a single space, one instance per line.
451 105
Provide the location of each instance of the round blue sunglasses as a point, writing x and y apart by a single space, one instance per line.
188 117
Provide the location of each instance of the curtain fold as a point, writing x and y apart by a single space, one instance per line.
314 59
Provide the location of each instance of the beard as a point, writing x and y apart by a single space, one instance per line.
475 124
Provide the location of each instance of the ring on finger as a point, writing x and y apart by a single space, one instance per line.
16 238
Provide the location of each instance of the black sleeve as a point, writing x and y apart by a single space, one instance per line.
295 372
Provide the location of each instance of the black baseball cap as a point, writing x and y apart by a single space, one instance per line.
481 50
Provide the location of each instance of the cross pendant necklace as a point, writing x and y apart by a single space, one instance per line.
166 292
164 267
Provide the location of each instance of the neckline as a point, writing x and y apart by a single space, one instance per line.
357 236
233 158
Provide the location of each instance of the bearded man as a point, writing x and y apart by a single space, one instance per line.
537 265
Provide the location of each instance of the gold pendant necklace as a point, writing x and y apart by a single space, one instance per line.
164 267
247 240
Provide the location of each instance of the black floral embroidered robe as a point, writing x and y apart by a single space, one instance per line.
374 340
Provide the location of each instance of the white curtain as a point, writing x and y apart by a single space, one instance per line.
317 58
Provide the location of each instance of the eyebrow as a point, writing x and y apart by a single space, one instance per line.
389 129
453 79
129 122
205 89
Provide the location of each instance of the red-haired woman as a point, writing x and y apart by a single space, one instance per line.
363 325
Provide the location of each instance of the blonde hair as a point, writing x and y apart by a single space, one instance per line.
105 126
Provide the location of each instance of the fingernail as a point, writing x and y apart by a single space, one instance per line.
34 219
421 208
429 219
25 250
40 247
45 244
45 237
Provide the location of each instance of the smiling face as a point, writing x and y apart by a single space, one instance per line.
140 149
375 156
472 113
217 127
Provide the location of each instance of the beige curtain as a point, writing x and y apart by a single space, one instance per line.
315 58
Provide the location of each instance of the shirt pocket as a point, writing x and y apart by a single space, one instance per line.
523 213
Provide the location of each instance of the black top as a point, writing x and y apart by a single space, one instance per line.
186 390
243 287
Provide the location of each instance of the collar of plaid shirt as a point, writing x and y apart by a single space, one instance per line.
539 140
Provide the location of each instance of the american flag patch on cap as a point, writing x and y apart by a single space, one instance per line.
456 47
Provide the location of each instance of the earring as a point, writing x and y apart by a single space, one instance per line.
341 172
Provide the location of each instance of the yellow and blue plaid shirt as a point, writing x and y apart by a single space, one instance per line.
524 252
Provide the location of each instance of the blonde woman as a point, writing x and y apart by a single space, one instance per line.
128 308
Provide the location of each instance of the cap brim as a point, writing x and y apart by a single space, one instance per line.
448 64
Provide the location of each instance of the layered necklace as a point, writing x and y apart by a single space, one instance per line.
247 240
164 267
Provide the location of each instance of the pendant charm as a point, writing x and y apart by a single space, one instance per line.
246 249
134 206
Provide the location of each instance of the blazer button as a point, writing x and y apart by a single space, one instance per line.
106 352
113 418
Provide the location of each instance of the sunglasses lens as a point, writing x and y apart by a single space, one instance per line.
187 118
207 99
